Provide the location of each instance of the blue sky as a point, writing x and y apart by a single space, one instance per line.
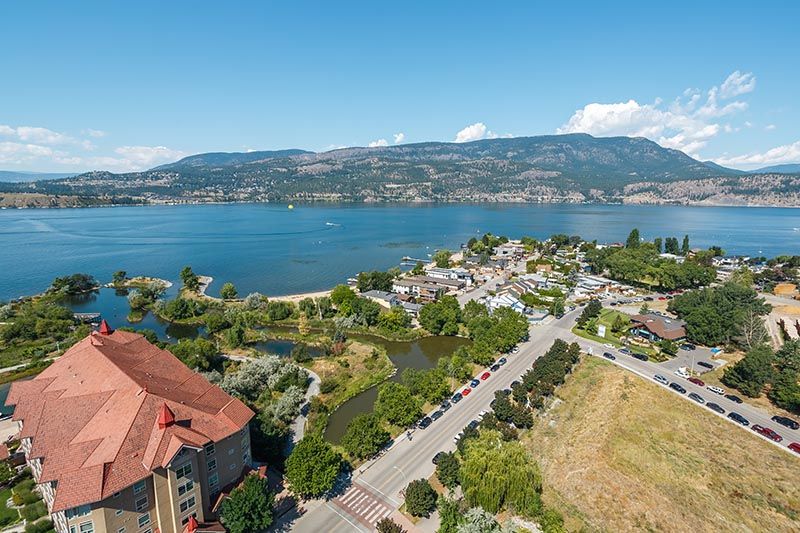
128 85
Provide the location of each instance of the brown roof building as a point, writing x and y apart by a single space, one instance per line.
656 327
123 437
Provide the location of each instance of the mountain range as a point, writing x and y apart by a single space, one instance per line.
554 168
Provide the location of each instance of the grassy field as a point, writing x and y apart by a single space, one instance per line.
621 454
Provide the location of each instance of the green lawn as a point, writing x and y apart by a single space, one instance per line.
606 318
7 516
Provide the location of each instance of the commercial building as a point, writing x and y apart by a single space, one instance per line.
654 327
123 438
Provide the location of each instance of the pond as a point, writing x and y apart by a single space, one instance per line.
112 304
420 354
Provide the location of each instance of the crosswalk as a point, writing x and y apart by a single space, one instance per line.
363 505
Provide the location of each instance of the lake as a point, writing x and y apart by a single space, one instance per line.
271 249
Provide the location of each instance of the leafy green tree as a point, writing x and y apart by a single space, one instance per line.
671 246
190 279
633 240
234 337
447 470
119 277
397 405
395 319
669 347
457 365
752 372
592 310
195 353
249 507
341 294
419 269
430 384
387 525
375 281
685 245
496 474
312 467
441 317
476 520
228 291
557 307
442 258
420 498
279 310
74 284
364 436
657 244
620 324
450 515
215 322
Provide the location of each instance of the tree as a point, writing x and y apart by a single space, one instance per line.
195 353
387 525
668 347
633 240
450 515
375 281
312 467
74 284
395 319
476 520
752 372
235 336
644 309
592 310
119 277
215 322
753 331
557 307
447 470
516 482
342 294
189 278
228 291
419 269
441 317
430 384
685 245
397 405
420 498
249 506
657 244
442 258
364 436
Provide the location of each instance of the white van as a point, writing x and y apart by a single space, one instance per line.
716 390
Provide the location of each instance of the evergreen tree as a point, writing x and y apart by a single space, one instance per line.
685 245
752 372
633 240
657 244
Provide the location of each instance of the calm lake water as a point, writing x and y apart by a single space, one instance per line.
423 353
270 249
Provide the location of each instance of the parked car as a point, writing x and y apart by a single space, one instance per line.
696 397
736 417
609 345
733 398
648 298
485 376
767 432
425 422
474 383
436 415
445 405
472 424
610 356
515 383
502 361
495 367
677 387
515 349
661 379
438 457
795 447
639 356
466 392
787 422
705 364
625 351
681 372
697 381
688 346
716 390
456 397
715 407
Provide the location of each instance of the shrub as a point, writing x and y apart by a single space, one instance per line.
43 526
33 511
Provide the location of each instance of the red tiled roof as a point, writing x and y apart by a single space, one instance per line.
113 408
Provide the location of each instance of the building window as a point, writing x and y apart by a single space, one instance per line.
82 510
213 480
210 449
118 512
212 464
86 527
139 486
232 467
186 487
230 452
144 519
185 519
115 495
121 530
141 504
183 471
187 504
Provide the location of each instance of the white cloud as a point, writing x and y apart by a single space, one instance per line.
399 137
378 142
473 132
787 153
95 133
737 83
770 127
20 153
687 124
141 157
